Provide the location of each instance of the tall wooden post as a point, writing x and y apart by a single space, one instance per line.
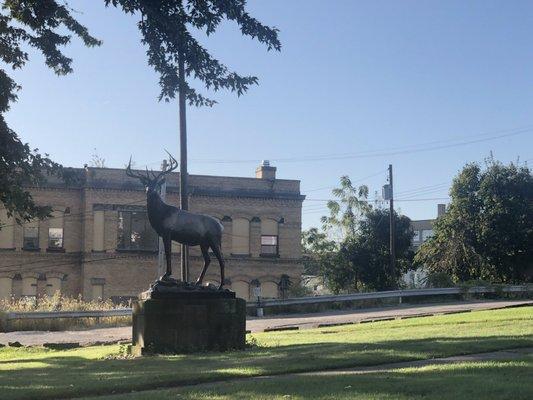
184 194
391 223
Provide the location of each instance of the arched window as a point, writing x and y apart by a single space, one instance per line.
6 287
269 237
240 236
269 290
53 283
29 285
98 230
241 289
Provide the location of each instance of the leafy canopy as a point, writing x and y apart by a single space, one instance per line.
345 212
487 232
352 250
46 26
165 25
317 247
362 262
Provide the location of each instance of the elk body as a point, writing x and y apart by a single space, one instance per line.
172 223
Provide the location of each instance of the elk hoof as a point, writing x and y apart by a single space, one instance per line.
221 287
198 282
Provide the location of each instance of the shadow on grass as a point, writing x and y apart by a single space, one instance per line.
72 376
486 380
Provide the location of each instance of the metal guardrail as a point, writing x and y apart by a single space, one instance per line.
389 294
122 312
125 312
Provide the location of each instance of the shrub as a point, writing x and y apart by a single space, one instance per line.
60 303
439 280
57 302
299 290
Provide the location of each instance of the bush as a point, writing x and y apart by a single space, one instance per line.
57 302
299 291
60 303
476 283
439 280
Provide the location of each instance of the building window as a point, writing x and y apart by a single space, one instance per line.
55 238
269 238
6 288
55 230
97 292
269 245
31 237
29 286
98 230
269 290
426 234
240 243
135 232
241 289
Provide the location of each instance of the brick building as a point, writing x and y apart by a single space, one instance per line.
422 231
99 243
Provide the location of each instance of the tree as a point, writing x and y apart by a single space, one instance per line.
487 232
352 251
96 160
165 27
46 26
316 247
176 55
362 262
345 212
172 50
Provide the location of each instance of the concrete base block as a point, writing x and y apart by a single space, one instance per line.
188 324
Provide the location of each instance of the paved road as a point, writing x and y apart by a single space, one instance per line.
345 316
302 321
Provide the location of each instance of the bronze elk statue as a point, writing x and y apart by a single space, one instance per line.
172 223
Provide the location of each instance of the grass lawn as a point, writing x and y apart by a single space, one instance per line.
30 373
496 380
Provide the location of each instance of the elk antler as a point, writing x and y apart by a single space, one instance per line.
130 173
173 165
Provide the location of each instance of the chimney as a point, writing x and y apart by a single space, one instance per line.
265 171
441 209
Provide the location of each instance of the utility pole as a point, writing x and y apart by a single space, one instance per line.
161 250
184 194
391 223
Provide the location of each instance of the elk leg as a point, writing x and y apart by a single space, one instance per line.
218 254
167 241
207 260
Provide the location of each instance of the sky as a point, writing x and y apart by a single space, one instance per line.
426 86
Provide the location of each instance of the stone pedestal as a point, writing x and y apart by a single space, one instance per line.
185 321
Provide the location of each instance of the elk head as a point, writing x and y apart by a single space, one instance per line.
151 180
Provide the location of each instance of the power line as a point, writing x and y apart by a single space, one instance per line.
324 208
428 146
426 193
371 201
353 181
423 188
